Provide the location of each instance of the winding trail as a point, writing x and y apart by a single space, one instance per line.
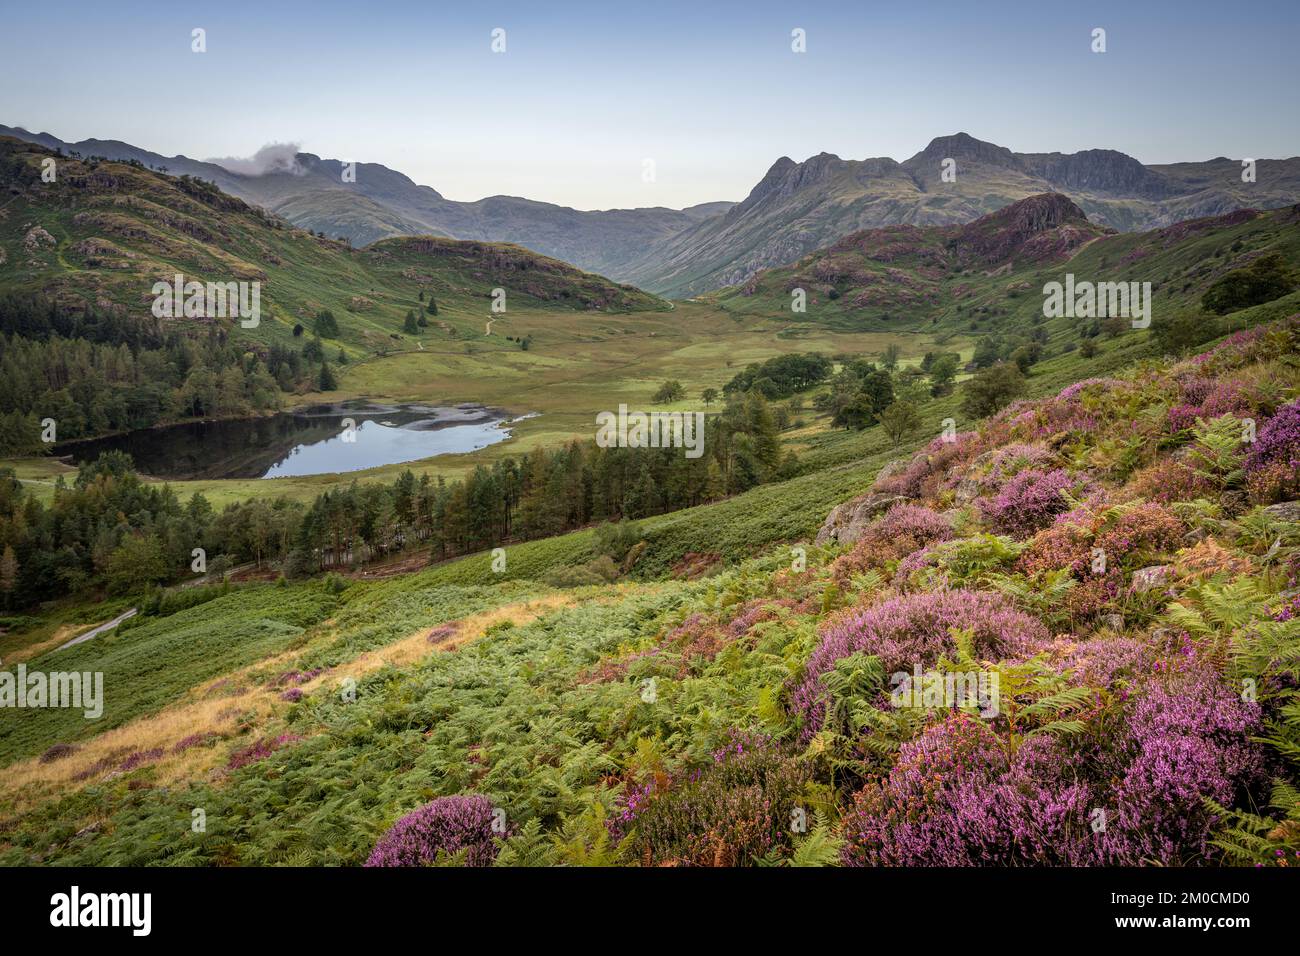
100 629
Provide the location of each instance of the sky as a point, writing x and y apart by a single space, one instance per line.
711 92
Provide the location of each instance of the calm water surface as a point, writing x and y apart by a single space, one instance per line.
310 441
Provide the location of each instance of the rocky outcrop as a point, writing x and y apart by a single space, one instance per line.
1284 511
846 522
1152 577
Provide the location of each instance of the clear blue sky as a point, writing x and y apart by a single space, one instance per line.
710 91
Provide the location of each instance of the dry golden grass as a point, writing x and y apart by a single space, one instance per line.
65 633
228 706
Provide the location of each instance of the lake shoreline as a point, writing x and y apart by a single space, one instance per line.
323 438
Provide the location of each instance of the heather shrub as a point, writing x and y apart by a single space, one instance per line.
1111 662
1208 399
1010 460
922 474
1272 465
733 812
447 826
1031 499
1169 480
58 752
903 529
1178 736
1095 386
897 533
193 740
140 758
1186 738
1129 536
956 796
260 750
911 629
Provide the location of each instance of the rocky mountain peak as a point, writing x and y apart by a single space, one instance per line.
963 146
1038 227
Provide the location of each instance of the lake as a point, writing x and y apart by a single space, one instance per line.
318 440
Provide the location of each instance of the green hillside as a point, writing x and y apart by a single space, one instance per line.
988 276
674 719
104 232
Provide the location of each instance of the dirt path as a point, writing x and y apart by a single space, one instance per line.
96 631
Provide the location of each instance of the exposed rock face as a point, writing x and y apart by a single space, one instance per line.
36 238
1152 577
895 467
846 522
1100 170
994 238
1288 511
963 148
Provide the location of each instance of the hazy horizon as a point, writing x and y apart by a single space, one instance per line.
582 97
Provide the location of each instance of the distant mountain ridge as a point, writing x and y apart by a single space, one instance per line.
104 233
797 208
383 203
794 209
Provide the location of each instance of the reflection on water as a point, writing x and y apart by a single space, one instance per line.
312 441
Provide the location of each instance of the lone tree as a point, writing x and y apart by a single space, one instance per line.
433 306
326 382
991 389
900 420
669 391
943 371
1178 333
410 326
709 396
327 327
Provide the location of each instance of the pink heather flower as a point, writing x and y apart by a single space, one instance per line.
260 750
449 824
140 758
915 628
957 797
1278 442
1011 459
1188 737
1030 500
1071 392
193 740
937 458
912 521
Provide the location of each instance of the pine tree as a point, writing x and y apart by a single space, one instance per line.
8 572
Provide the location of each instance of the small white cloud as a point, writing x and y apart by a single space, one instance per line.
271 158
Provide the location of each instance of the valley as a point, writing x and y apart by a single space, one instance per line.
641 658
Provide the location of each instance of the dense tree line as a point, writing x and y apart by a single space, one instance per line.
109 530
781 376
96 371
1264 280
